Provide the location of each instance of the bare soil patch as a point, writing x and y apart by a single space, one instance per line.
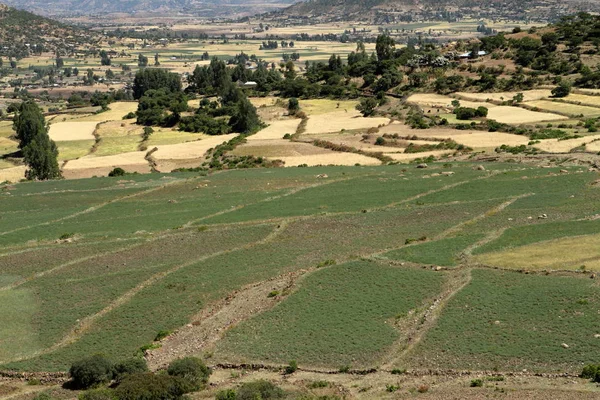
341 120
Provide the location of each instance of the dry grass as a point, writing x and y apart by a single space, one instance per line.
324 106
65 131
116 113
341 120
564 108
593 146
564 254
407 157
332 158
14 174
7 146
6 129
528 95
74 149
163 136
564 146
118 160
516 115
276 130
593 101
431 100
189 150
277 148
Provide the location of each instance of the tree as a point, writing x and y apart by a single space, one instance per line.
562 90
367 106
155 79
147 386
293 105
39 152
142 61
244 119
384 47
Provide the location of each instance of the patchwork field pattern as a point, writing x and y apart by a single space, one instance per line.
385 264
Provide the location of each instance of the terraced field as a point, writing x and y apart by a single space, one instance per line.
353 267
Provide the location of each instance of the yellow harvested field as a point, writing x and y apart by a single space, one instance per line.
341 120
593 146
564 108
162 136
562 254
276 130
14 174
65 131
119 160
474 139
324 106
407 157
589 91
564 146
116 112
333 158
528 95
6 129
431 100
517 115
593 101
189 150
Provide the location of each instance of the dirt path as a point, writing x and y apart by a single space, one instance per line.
211 324
422 320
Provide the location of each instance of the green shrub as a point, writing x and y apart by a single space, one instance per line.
98 394
590 371
118 171
161 335
91 371
149 386
131 366
477 383
263 390
43 396
398 371
192 370
130 115
227 394
291 368
318 384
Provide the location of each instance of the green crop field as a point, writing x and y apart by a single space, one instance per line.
386 264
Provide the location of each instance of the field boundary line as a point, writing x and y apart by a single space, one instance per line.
269 199
87 322
94 208
422 322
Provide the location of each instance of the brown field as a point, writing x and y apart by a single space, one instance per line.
585 100
562 254
431 100
407 157
116 112
65 131
593 146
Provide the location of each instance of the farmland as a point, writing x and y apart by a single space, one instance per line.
103 264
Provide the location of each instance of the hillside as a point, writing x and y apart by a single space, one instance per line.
23 33
171 8
388 11
338 268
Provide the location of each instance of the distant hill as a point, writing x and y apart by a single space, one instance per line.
208 8
389 11
23 33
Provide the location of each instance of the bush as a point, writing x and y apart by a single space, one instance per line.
590 371
118 171
192 370
380 141
91 371
227 394
562 90
149 386
477 383
131 366
130 115
43 396
261 389
291 368
98 394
